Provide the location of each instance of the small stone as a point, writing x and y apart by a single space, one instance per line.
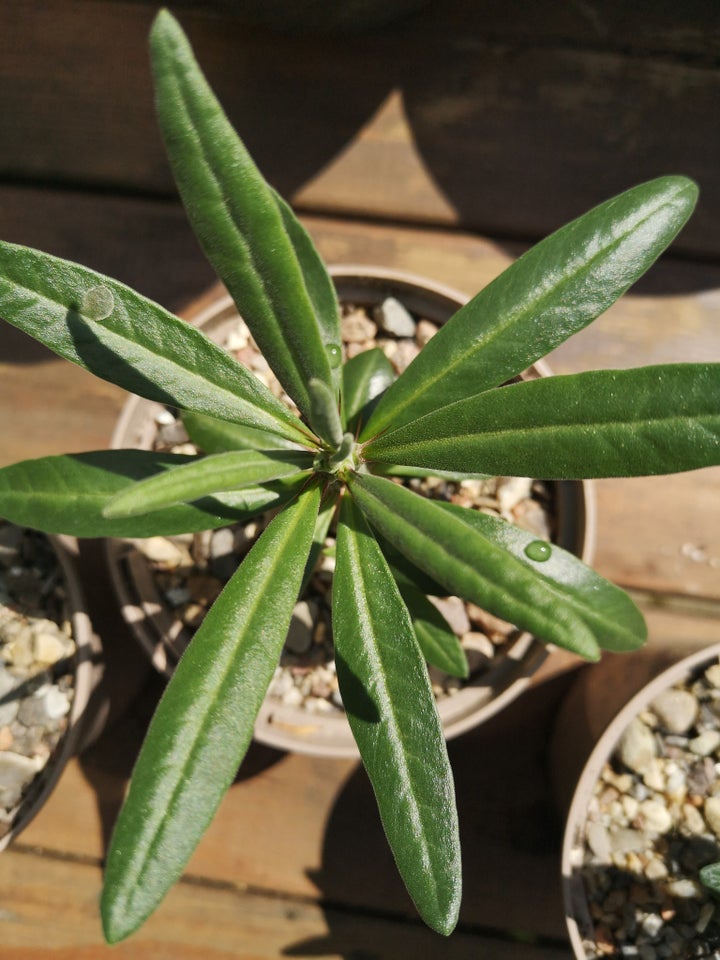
712 814
406 352
712 675
707 912
16 772
510 492
706 743
493 627
299 638
392 317
676 710
626 840
57 703
656 869
656 817
652 924
684 889
164 551
692 818
479 644
6 738
425 332
357 327
636 748
48 647
453 609
598 840
654 776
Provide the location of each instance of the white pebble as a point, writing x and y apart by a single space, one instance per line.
392 317
712 814
656 816
636 747
684 889
705 743
676 710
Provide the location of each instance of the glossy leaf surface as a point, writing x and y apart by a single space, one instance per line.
390 707
440 646
204 722
217 436
118 335
218 473
365 378
483 559
554 290
605 423
251 237
67 494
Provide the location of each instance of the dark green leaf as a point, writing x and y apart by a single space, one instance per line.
67 494
387 696
365 378
710 877
122 337
204 722
604 423
252 239
218 473
440 646
554 290
483 559
217 436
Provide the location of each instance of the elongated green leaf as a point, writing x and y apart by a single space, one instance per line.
261 253
365 378
440 646
67 494
483 559
554 290
322 528
604 423
218 436
218 473
204 722
387 696
118 335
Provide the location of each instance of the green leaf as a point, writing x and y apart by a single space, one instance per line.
118 335
67 494
322 528
605 423
251 237
204 722
483 560
217 436
390 707
218 473
440 646
554 290
365 378
710 877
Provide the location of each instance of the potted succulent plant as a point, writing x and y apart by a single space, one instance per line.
444 415
165 584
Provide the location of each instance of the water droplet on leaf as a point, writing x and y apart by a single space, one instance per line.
538 550
334 354
98 303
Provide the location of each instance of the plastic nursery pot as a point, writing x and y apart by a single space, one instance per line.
50 671
639 825
287 726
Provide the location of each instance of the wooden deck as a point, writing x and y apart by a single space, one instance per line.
441 146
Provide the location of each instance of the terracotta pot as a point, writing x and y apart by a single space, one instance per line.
291 728
598 710
88 710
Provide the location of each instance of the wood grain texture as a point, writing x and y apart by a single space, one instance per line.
503 122
41 920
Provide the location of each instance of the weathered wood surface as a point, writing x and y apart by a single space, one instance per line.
508 119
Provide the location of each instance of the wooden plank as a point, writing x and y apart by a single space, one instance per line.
50 911
444 119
